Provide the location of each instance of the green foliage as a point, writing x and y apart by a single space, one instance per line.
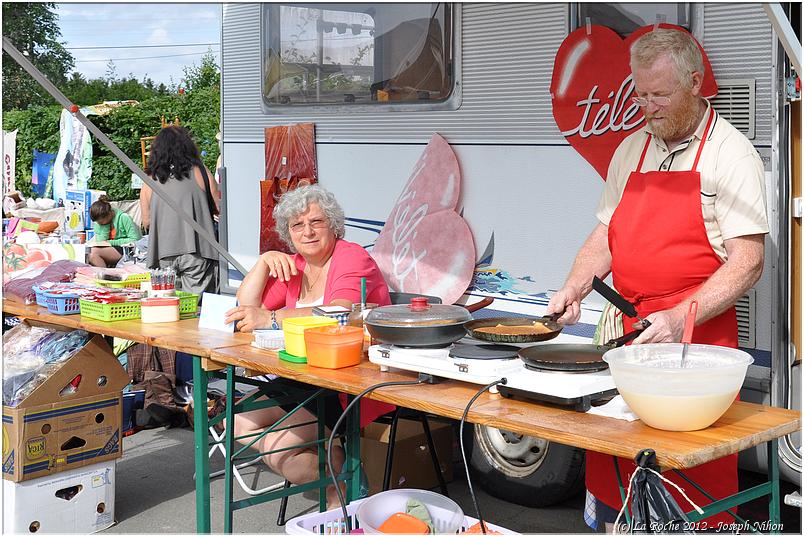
34 31
86 92
198 109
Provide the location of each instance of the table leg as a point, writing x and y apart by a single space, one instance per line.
201 426
622 490
774 507
229 442
352 461
323 469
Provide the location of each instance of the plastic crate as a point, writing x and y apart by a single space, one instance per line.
133 281
118 311
188 304
332 522
41 299
62 304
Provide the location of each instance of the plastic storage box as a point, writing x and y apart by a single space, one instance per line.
118 311
334 347
159 310
294 332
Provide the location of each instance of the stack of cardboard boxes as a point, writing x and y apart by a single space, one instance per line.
60 445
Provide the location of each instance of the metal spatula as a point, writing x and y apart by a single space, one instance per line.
689 327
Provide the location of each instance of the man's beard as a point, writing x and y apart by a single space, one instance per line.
677 125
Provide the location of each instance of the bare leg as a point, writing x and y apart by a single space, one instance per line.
104 256
299 465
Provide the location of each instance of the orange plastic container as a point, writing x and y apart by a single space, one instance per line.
334 346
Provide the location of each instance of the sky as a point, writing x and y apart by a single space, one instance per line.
142 26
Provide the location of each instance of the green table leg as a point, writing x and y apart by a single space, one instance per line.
622 489
352 461
201 427
774 507
229 443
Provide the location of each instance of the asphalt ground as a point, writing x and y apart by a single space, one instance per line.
155 493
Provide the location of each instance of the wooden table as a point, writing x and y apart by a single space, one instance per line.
743 426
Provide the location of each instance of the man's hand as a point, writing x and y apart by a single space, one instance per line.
666 326
249 318
280 265
567 300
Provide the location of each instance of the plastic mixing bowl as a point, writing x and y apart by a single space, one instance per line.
447 515
666 396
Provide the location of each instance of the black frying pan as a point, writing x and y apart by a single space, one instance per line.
547 321
571 356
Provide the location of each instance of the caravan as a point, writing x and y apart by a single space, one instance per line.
378 80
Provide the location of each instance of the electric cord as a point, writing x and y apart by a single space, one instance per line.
334 431
463 451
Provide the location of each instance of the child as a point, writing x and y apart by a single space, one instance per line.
115 227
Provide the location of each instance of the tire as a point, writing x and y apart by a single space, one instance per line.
524 470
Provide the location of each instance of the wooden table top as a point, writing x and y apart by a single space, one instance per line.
183 336
743 426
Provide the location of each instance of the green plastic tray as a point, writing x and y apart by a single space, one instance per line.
291 357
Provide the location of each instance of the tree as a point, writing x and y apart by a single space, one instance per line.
33 29
205 75
111 72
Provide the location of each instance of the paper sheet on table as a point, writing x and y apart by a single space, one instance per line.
213 312
616 408
93 242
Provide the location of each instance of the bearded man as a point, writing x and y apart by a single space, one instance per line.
682 218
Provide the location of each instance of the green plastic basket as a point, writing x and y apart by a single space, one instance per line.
132 282
188 304
118 311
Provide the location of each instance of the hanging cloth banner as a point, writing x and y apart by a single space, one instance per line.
289 163
9 161
73 166
41 180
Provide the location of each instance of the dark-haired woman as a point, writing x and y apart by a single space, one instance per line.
113 226
176 163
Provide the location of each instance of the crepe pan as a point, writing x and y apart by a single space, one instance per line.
580 357
548 321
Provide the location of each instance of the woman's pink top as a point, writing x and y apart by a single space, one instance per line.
350 262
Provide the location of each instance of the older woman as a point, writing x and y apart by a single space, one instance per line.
324 270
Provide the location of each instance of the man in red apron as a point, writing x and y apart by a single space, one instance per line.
682 218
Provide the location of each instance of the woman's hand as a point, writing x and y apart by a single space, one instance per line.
280 265
249 318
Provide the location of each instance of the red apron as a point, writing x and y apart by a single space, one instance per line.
660 255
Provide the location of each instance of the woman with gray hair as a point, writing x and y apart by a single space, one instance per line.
325 269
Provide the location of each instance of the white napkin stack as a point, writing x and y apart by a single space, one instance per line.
616 408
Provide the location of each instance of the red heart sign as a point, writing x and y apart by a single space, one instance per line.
592 89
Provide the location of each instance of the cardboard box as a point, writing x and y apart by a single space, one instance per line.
76 501
58 427
81 200
412 467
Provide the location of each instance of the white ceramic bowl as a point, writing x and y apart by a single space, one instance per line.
666 396
447 515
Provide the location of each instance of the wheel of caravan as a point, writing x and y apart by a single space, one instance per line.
524 470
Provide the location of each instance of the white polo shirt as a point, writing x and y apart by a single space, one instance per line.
732 178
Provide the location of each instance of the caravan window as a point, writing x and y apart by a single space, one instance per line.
356 54
624 18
